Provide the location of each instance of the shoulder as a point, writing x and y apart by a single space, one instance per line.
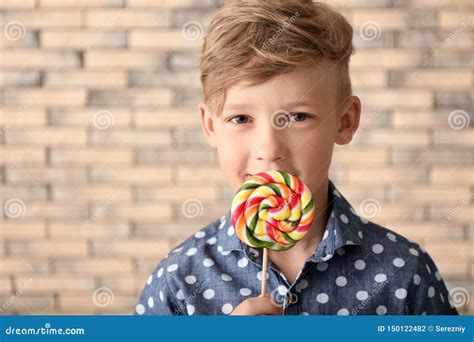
164 289
414 273
390 247
193 251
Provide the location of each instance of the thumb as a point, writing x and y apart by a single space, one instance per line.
263 305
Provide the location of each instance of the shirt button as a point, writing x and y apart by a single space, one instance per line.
293 298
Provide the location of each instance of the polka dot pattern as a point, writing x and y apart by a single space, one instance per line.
377 248
398 262
190 279
212 241
227 308
303 284
359 265
243 262
362 295
212 272
150 302
322 298
172 268
322 266
199 235
381 310
140 309
401 293
226 277
208 262
209 294
341 281
191 309
282 290
343 312
259 275
192 251
380 278
245 292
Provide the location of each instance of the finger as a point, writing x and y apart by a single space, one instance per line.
264 306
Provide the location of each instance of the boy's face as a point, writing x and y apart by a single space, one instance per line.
287 123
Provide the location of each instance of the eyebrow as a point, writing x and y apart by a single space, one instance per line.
301 103
234 106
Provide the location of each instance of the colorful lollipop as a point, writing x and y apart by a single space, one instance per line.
274 210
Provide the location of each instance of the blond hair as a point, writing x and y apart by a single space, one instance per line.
254 40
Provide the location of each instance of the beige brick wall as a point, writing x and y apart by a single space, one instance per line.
98 117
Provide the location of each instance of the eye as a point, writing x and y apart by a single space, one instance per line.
240 119
299 116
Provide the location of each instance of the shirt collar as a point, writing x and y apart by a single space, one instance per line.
342 229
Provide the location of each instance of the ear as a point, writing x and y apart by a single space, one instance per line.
349 121
207 124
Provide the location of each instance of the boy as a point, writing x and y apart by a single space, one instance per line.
277 96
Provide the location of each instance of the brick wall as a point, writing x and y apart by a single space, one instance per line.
98 116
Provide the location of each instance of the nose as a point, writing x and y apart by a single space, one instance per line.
270 146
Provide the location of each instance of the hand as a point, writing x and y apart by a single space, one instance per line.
257 306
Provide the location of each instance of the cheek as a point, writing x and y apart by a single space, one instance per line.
232 160
313 157
314 144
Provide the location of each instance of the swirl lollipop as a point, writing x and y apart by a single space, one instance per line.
273 210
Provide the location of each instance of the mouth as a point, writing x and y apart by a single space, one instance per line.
248 175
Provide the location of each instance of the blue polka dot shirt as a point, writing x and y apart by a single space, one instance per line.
359 268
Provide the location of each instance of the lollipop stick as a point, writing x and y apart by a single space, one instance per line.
264 272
